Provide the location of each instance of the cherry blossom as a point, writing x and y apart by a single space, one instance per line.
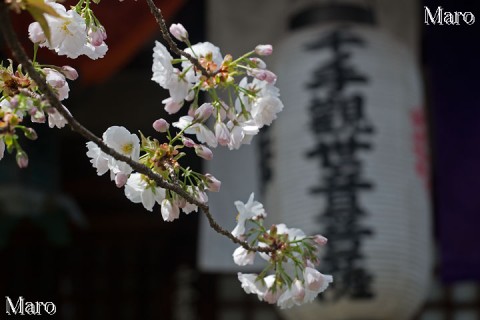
162 65
170 210
242 257
235 113
58 82
139 189
249 210
68 32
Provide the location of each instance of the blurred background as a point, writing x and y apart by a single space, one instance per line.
376 149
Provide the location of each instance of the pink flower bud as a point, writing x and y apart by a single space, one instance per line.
191 111
203 152
187 142
222 134
35 33
120 179
259 63
30 134
97 36
320 240
203 112
161 125
22 159
264 75
264 49
69 73
202 197
171 106
179 32
54 78
213 184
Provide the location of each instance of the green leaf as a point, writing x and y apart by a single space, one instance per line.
42 7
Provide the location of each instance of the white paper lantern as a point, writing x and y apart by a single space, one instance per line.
346 164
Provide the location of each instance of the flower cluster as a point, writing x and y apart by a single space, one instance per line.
292 259
242 99
73 32
21 99
247 106
162 159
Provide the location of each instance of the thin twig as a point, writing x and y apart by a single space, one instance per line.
157 13
22 58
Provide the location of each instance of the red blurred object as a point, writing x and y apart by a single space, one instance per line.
129 25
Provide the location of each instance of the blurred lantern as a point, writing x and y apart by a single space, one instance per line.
347 159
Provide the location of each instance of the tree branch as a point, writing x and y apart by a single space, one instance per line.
157 14
22 58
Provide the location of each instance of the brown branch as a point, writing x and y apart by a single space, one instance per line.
22 58
157 14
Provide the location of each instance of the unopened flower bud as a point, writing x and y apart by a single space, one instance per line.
35 33
161 125
187 142
202 197
203 112
121 179
203 152
264 75
320 240
222 134
54 78
213 184
264 49
69 73
97 36
259 63
22 159
30 134
179 32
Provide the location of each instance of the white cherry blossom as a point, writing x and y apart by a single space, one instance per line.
140 190
98 159
55 119
265 110
68 31
162 65
246 211
242 257
94 52
58 82
170 210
